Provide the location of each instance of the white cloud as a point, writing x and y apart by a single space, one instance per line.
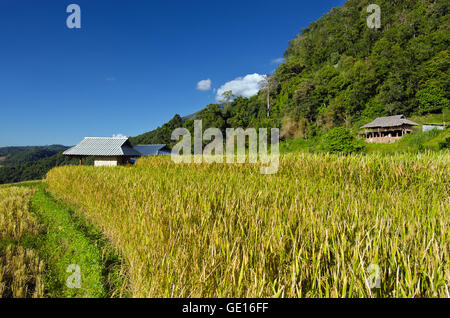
111 79
279 60
246 86
119 136
204 85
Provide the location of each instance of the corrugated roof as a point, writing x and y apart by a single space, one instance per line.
98 146
152 150
392 121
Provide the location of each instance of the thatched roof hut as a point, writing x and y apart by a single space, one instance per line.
387 129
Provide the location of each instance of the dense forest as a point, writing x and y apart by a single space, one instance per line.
340 72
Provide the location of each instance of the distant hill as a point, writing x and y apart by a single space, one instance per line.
197 114
191 116
13 149
13 156
31 163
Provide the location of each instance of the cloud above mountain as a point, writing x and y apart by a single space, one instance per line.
246 86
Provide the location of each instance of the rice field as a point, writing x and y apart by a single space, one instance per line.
21 270
323 226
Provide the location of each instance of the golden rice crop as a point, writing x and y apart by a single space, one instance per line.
15 218
312 230
21 270
21 273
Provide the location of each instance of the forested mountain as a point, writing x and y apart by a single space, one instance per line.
340 72
33 170
31 163
4 151
13 156
160 135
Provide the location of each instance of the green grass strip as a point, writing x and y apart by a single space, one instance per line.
68 239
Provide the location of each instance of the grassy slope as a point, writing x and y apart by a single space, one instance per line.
432 118
29 184
300 144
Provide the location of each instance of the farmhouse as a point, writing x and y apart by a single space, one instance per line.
387 129
107 152
112 152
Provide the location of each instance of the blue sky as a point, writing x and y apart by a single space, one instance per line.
133 64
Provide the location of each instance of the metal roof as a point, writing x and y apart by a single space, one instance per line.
392 121
98 146
152 150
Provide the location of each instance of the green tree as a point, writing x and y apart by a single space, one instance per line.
342 141
227 97
432 99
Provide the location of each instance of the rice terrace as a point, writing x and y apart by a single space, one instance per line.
311 230
325 176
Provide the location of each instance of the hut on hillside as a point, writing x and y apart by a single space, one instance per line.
107 152
387 129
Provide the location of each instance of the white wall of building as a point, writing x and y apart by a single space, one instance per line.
105 162
432 127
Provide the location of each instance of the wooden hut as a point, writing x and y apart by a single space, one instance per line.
387 129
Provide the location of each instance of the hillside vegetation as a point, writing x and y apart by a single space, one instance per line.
312 230
338 72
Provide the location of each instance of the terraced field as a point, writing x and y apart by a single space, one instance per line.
324 226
